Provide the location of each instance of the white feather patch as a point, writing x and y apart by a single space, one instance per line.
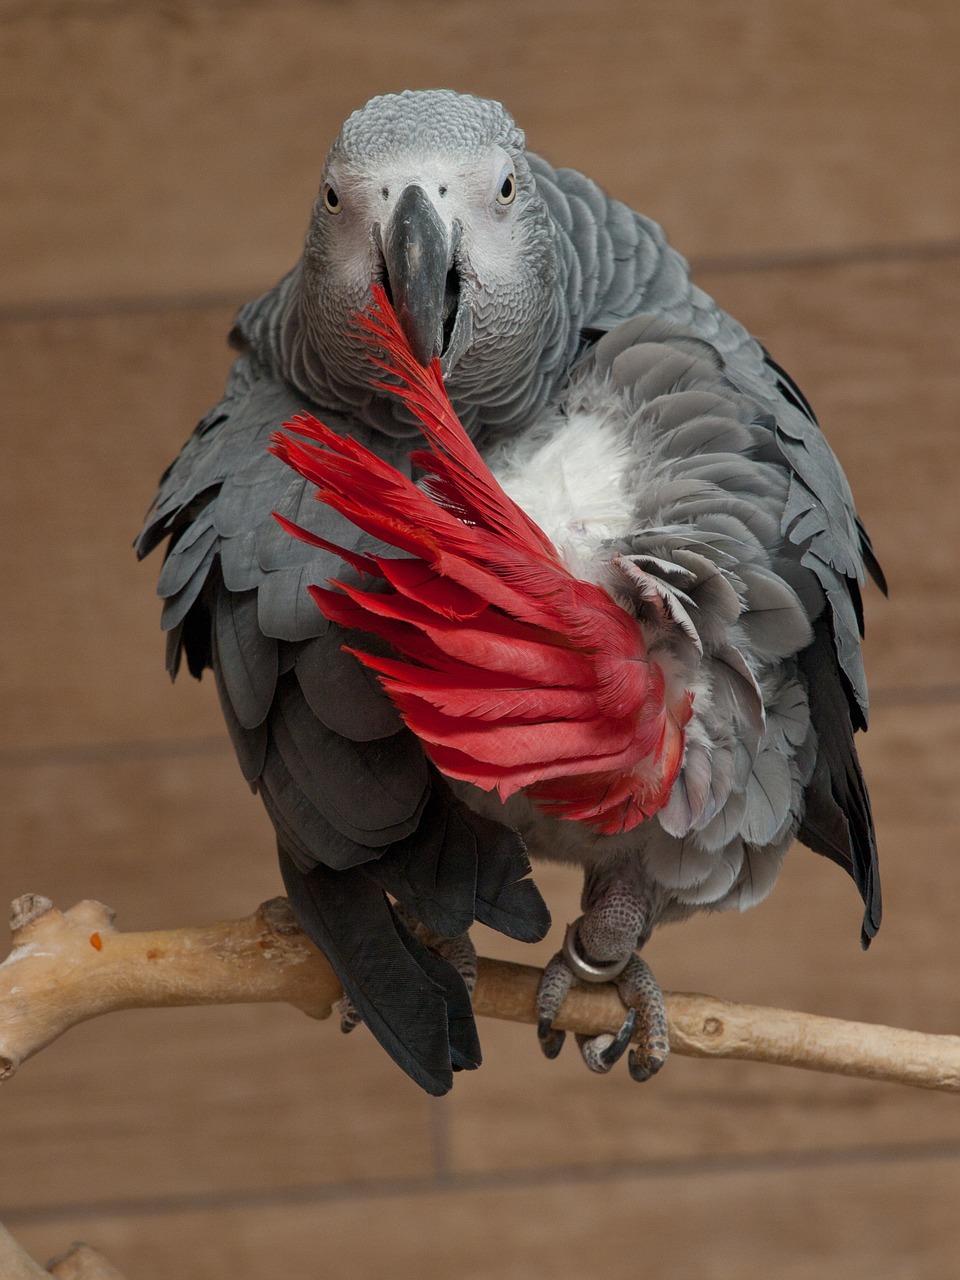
567 474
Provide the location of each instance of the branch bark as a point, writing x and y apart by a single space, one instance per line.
66 967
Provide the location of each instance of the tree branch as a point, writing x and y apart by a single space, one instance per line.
66 967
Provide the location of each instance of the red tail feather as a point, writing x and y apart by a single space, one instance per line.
514 674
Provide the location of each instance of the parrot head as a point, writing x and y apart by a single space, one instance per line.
430 195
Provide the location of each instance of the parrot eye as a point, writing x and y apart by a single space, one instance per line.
331 201
508 189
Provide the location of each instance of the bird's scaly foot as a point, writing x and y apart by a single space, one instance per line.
599 947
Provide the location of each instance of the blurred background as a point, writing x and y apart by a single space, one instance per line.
157 167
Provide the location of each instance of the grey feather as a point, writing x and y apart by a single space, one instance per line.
758 874
708 434
677 862
746 706
284 606
684 809
247 657
186 559
239 564
770 798
726 825
724 872
302 827
260 486
343 695
774 618
177 606
272 542
250 744
371 791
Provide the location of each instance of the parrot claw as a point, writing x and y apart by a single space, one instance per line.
600 1053
643 1067
640 990
551 1042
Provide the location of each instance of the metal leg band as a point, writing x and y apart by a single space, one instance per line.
582 968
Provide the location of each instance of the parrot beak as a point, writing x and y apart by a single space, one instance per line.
422 278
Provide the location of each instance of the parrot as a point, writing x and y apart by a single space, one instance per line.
623 630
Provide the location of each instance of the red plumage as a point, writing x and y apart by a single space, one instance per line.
514 674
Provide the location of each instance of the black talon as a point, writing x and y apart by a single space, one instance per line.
643 1070
551 1042
616 1049
552 1045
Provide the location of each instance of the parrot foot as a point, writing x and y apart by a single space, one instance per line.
458 951
639 991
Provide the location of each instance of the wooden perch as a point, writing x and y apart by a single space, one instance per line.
68 966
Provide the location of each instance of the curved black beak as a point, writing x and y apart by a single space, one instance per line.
418 257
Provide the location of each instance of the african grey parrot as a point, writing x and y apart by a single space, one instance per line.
671 464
